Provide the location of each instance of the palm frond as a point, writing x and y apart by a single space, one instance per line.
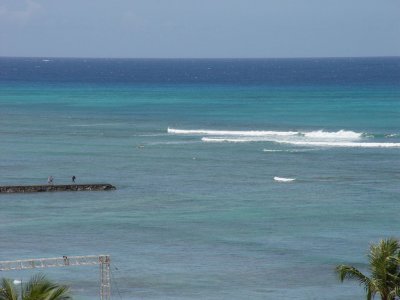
8 290
60 293
349 272
40 288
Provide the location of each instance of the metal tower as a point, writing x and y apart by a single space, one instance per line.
102 260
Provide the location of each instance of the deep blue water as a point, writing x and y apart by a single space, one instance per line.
193 147
247 72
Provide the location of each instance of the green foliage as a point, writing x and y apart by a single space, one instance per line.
384 268
7 290
38 288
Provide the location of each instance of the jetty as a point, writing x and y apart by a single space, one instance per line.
56 188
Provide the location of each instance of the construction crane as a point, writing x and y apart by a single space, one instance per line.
66 261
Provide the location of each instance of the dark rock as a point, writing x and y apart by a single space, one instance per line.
56 188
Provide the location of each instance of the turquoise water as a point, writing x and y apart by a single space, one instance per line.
197 213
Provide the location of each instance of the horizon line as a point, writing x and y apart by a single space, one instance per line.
200 58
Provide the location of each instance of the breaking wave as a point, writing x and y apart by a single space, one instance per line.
259 134
316 138
341 134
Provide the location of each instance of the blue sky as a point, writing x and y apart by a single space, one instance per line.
199 29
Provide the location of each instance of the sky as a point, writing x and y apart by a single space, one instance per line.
199 28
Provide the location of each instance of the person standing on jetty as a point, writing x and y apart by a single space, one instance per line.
50 180
73 179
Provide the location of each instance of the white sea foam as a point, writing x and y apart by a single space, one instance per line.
254 133
341 134
342 144
317 138
283 179
258 134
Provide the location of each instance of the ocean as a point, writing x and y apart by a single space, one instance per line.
236 179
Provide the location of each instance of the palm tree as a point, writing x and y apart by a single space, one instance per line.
384 267
38 288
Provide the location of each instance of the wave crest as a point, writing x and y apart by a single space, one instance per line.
316 138
341 134
318 134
